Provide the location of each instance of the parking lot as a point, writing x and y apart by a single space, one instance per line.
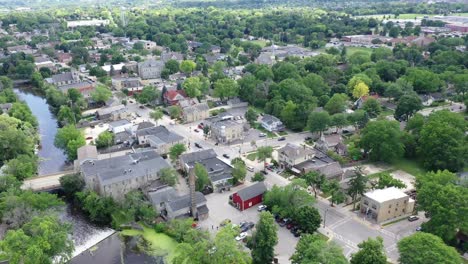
221 210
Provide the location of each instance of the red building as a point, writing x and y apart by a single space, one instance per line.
250 196
173 97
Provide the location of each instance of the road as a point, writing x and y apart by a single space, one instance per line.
45 182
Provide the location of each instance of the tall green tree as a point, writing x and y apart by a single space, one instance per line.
370 251
318 122
239 171
316 180
192 87
382 140
314 250
156 115
336 104
71 184
263 153
203 179
101 94
357 185
168 176
251 116
372 107
424 248
225 88
308 218
69 138
176 150
105 139
187 66
407 106
264 239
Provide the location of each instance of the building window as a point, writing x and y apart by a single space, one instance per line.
366 202
389 211
396 209
374 206
390 206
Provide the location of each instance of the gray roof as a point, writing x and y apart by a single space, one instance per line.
292 150
184 201
143 125
163 195
268 119
321 163
161 133
87 152
121 122
108 110
165 56
197 108
62 77
151 63
216 168
252 191
198 156
121 168
226 123
77 85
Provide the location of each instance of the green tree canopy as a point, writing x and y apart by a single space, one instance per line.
370 251
203 179
315 250
225 88
69 138
176 150
264 239
101 94
382 140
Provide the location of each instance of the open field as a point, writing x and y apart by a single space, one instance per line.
351 50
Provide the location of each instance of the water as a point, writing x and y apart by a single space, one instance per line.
51 158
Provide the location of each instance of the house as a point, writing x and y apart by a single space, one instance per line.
195 112
333 142
385 204
422 41
150 69
174 96
84 87
271 123
44 62
165 56
320 163
148 45
219 172
227 131
359 103
112 112
249 196
120 126
20 48
131 85
84 154
63 78
291 154
113 69
116 176
159 138
64 57
180 207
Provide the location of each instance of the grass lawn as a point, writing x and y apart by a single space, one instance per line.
161 244
322 236
283 133
252 156
268 133
410 166
262 43
351 50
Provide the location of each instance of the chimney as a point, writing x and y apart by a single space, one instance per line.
193 203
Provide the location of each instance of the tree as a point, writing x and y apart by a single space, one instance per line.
308 218
99 209
137 207
156 115
447 203
372 107
315 250
192 87
258 177
316 180
359 118
105 139
203 179
225 88
318 122
360 89
21 167
423 81
69 138
176 150
175 111
358 78
385 180
333 188
251 116
357 185
67 115
71 184
39 241
239 171
16 138
22 112
442 143
424 248
263 153
187 66
339 121
264 239
168 176
381 140
172 66
407 106
370 251
101 94
148 95
336 104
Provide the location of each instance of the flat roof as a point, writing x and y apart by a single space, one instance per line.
387 194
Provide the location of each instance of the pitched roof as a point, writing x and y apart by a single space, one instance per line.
162 195
252 191
269 119
62 77
161 133
117 123
198 156
292 150
171 95
184 201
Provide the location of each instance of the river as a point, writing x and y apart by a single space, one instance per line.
51 158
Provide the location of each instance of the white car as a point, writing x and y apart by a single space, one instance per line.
241 236
261 208
262 135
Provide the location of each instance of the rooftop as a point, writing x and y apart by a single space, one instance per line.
384 195
292 150
183 202
121 168
160 132
252 191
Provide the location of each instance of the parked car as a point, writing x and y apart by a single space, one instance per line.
242 224
418 228
196 130
412 218
247 226
200 126
285 222
226 156
250 168
198 145
308 138
261 208
262 135
142 107
281 139
264 172
290 225
89 138
241 236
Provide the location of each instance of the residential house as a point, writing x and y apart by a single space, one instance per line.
385 204
359 103
249 196
291 154
227 131
132 84
165 56
174 96
119 126
44 62
84 87
115 112
320 163
159 138
116 176
219 172
64 57
150 69
271 123
20 48
196 112
113 69
332 142
63 78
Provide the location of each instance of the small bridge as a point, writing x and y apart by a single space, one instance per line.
45 183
